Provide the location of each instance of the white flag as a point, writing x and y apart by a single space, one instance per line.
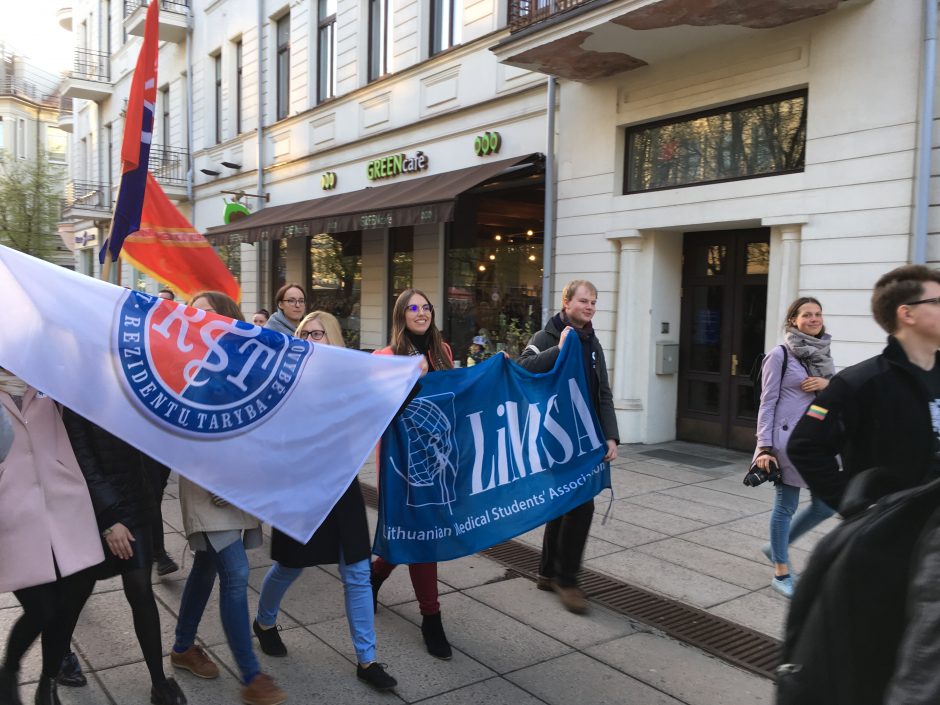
273 424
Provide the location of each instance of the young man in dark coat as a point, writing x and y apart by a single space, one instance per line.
884 411
565 537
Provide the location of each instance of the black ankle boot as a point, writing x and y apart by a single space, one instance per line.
46 693
434 638
376 584
9 690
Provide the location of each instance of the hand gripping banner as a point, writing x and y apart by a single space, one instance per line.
484 454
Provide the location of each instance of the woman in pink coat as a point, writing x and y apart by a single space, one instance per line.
48 536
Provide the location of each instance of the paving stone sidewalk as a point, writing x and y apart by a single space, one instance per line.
677 528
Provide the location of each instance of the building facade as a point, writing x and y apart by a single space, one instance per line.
713 161
34 124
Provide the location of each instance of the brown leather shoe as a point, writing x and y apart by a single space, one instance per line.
262 691
572 598
544 583
196 661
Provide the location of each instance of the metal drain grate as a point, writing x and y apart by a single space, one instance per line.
731 642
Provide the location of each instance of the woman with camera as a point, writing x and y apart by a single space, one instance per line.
791 376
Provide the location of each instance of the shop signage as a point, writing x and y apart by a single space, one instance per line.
395 164
487 143
328 181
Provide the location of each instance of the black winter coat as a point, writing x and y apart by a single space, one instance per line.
116 474
875 415
345 527
540 355
916 679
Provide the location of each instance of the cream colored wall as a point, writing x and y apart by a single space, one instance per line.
848 214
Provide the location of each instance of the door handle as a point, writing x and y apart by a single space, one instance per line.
734 365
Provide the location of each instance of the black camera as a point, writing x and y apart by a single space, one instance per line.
756 476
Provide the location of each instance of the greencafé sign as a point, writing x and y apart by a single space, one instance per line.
395 164
487 143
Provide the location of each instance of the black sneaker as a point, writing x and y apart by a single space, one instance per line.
70 672
167 693
269 639
374 674
166 565
434 638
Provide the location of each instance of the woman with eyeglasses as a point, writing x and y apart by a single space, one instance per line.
342 539
219 534
291 307
791 376
414 333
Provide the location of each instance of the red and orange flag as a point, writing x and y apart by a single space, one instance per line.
168 248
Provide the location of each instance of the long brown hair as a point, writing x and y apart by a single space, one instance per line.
402 346
223 304
794 311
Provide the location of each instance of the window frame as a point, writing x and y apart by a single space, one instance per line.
689 117
380 36
239 86
282 66
217 96
326 24
450 18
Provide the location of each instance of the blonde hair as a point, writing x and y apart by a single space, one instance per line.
571 288
333 330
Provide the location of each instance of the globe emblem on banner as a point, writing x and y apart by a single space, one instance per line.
199 373
431 474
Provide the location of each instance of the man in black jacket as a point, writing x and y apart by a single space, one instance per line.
884 411
565 537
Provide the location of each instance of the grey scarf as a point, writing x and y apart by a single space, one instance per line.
812 352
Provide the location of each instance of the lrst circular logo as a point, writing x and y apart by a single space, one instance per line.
199 373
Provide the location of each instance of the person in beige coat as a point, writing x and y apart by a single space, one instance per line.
219 533
49 542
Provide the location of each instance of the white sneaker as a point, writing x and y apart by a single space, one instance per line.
784 587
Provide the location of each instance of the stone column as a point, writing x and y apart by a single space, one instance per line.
786 234
625 385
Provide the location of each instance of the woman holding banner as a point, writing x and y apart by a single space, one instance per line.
414 333
48 537
342 539
219 534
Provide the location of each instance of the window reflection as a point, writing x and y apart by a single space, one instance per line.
336 280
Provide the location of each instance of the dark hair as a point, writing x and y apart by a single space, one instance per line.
794 310
402 346
282 292
897 287
223 304
264 312
167 291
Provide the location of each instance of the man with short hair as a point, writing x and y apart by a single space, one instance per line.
884 411
166 294
565 537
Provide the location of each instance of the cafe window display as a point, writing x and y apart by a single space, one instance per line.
335 265
494 277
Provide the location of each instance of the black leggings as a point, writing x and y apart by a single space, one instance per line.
139 593
52 610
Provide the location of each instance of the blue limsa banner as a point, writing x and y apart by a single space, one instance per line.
484 454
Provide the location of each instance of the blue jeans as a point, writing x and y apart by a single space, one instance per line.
784 528
231 565
357 588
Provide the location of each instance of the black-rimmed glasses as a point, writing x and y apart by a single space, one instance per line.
294 302
934 300
313 334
